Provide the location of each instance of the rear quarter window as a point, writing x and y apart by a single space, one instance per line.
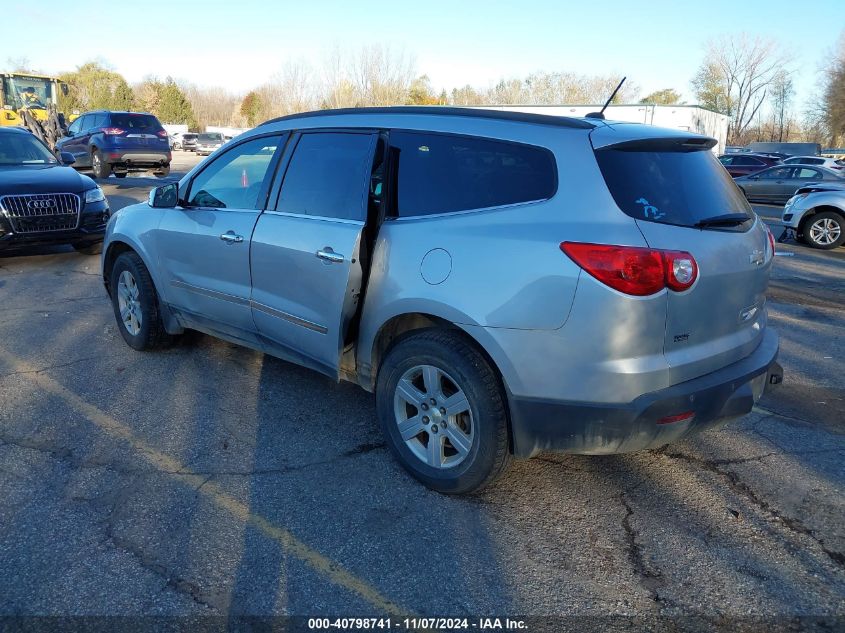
445 173
670 187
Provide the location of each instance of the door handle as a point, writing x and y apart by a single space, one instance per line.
230 238
329 256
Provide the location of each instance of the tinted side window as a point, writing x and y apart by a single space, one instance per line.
776 174
98 120
85 122
442 173
328 176
728 160
807 173
75 127
234 179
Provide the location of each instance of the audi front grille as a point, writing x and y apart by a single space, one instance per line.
42 213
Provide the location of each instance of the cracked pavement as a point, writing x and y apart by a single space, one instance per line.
210 479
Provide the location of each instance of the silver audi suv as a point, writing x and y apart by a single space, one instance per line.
504 283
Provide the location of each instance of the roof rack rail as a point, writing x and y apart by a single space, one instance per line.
479 113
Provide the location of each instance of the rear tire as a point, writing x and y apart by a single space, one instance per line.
135 304
824 230
100 168
420 376
162 172
120 174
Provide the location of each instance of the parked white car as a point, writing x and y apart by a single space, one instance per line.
817 214
818 161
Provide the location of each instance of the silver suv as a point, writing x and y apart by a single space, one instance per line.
505 283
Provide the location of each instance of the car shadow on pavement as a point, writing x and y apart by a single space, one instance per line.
321 468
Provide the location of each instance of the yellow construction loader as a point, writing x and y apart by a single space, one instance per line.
33 101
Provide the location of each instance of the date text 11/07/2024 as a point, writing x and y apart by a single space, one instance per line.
416 624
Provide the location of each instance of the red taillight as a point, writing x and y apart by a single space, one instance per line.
686 416
771 237
634 270
113 131
162 133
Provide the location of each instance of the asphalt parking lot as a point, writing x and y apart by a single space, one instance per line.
208 479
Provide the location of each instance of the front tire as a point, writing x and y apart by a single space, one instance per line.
100 167
135 304
824 230
443 412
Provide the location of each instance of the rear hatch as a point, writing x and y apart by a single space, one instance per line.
139 131
683 200
210 140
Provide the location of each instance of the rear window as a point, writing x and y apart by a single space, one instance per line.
670 187
444 173
135 122
211 136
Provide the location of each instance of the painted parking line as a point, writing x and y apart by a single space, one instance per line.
175 469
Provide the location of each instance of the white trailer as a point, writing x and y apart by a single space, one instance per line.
690 118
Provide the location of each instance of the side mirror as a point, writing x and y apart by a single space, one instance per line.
67 158
164 197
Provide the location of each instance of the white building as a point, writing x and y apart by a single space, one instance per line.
689 118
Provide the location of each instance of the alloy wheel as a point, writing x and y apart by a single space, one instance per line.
433 416
128 302
825 231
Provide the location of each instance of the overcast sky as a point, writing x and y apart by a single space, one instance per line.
657 43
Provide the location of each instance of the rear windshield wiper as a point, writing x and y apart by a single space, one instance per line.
727 219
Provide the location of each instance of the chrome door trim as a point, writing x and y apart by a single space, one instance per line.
209 293
323 218
289 317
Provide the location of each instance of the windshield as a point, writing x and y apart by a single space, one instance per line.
670 187
211 136
23 149
24 90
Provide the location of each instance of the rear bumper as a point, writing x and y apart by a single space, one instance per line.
588 428
132 158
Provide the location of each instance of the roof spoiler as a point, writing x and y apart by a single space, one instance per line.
664 144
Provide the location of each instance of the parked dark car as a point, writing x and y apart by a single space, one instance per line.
118 142
776 185
42 201
744 164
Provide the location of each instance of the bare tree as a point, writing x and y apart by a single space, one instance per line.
19 64
543 88
212 105
735 78
782 91
292 89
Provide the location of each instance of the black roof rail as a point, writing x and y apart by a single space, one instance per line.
479 113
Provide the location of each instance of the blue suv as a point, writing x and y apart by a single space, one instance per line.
118 142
